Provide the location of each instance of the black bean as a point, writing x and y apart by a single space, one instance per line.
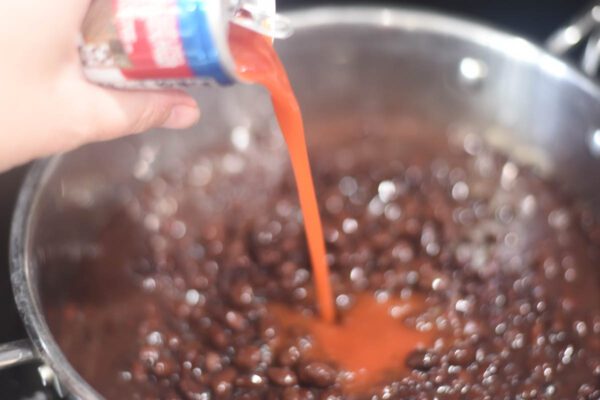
282 376
286 271
252 381
241 294
219 337
331 394
462 356
249 396
173 341
318 374
236 320
149 354
289 356
192 390
422 360
164 368
222 383
213 362
138 371
500 272
248 357
297 393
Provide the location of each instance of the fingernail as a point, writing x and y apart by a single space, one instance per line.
181 117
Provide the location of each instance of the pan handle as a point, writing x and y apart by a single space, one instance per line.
584 27
21 352
16 353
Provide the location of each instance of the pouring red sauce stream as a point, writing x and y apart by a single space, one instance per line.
257 61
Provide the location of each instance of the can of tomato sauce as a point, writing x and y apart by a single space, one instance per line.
139 44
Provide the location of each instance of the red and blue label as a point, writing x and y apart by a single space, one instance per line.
168 39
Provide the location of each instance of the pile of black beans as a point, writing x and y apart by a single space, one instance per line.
507 263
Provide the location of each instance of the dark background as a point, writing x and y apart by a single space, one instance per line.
534 19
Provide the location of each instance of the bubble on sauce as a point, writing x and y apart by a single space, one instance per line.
485 165
581 328
233 163
439 284
149 284
429 239
376 206
349 225
264 237
343 301
382 296
125 376
348 186
472 143
403 251
387 191
331 235
511 239
440 170
193 297
334 204
559 219
154 338
240 137
528 206
567 355
570 275
143 169
201 173
393 212
300 293
505 214
508 176
464 306
152 222
357 275
460 191
166 206
178 229
412 278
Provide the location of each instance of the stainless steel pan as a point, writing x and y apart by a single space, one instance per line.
357 70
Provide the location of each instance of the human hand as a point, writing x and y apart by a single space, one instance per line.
46 104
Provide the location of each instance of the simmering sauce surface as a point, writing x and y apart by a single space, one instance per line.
177 296
370 340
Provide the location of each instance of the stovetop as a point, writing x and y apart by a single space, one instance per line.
530 18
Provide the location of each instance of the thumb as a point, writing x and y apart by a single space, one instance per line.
114 113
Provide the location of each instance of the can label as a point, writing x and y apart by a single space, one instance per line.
151 39
151 43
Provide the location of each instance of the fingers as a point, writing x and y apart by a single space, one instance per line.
41 120
111 113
